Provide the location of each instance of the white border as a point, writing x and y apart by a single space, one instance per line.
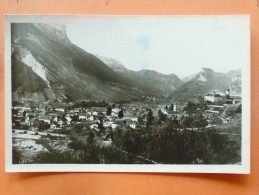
244 168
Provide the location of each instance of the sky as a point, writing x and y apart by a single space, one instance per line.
182 45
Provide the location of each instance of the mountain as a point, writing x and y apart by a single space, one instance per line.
47 66
155 81
112 63
207 81
148 80
189 77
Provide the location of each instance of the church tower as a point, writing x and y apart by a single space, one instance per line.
228 93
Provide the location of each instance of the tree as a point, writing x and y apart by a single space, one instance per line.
175 122
16 156
108 110
171 107
75 118
36 123
90 137
14 111
200 100
100 126
239 109
24 114
200 121
43 126
63 117
190 107
56 157
120 114
150 118
187 122
161 115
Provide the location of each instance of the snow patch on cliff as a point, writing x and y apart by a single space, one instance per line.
36 67
202 78
27 58
202 75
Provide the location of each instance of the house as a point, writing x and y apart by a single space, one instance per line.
133 125
118 123
94 113
233 99
164 111
114 126
27 121
53 126
33 129
71 114
91 118
55 119
105 143
45 118
134 119
115 111
83 116
97 121
107 124
21 112
60 123
60 109
79 110
213 97
94 126
26 107
69 119
175 114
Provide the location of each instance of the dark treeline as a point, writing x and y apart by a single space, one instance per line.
160 143
181 147
89 104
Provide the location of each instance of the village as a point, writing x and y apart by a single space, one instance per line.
45 126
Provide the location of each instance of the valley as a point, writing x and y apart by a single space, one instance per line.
71 106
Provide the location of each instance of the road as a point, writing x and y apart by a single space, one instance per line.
39 133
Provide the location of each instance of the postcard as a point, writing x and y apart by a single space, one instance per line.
127 93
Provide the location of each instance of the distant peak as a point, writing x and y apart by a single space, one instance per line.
53 31
204 74
147 70
206 70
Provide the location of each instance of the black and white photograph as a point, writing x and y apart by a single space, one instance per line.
127 93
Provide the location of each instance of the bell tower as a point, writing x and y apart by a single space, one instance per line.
228 93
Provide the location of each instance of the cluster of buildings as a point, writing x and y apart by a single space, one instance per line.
49 118
227 98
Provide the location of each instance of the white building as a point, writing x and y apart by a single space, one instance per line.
212 97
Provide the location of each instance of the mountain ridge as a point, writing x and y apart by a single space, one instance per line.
67 66
149 80
206 81
62 71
